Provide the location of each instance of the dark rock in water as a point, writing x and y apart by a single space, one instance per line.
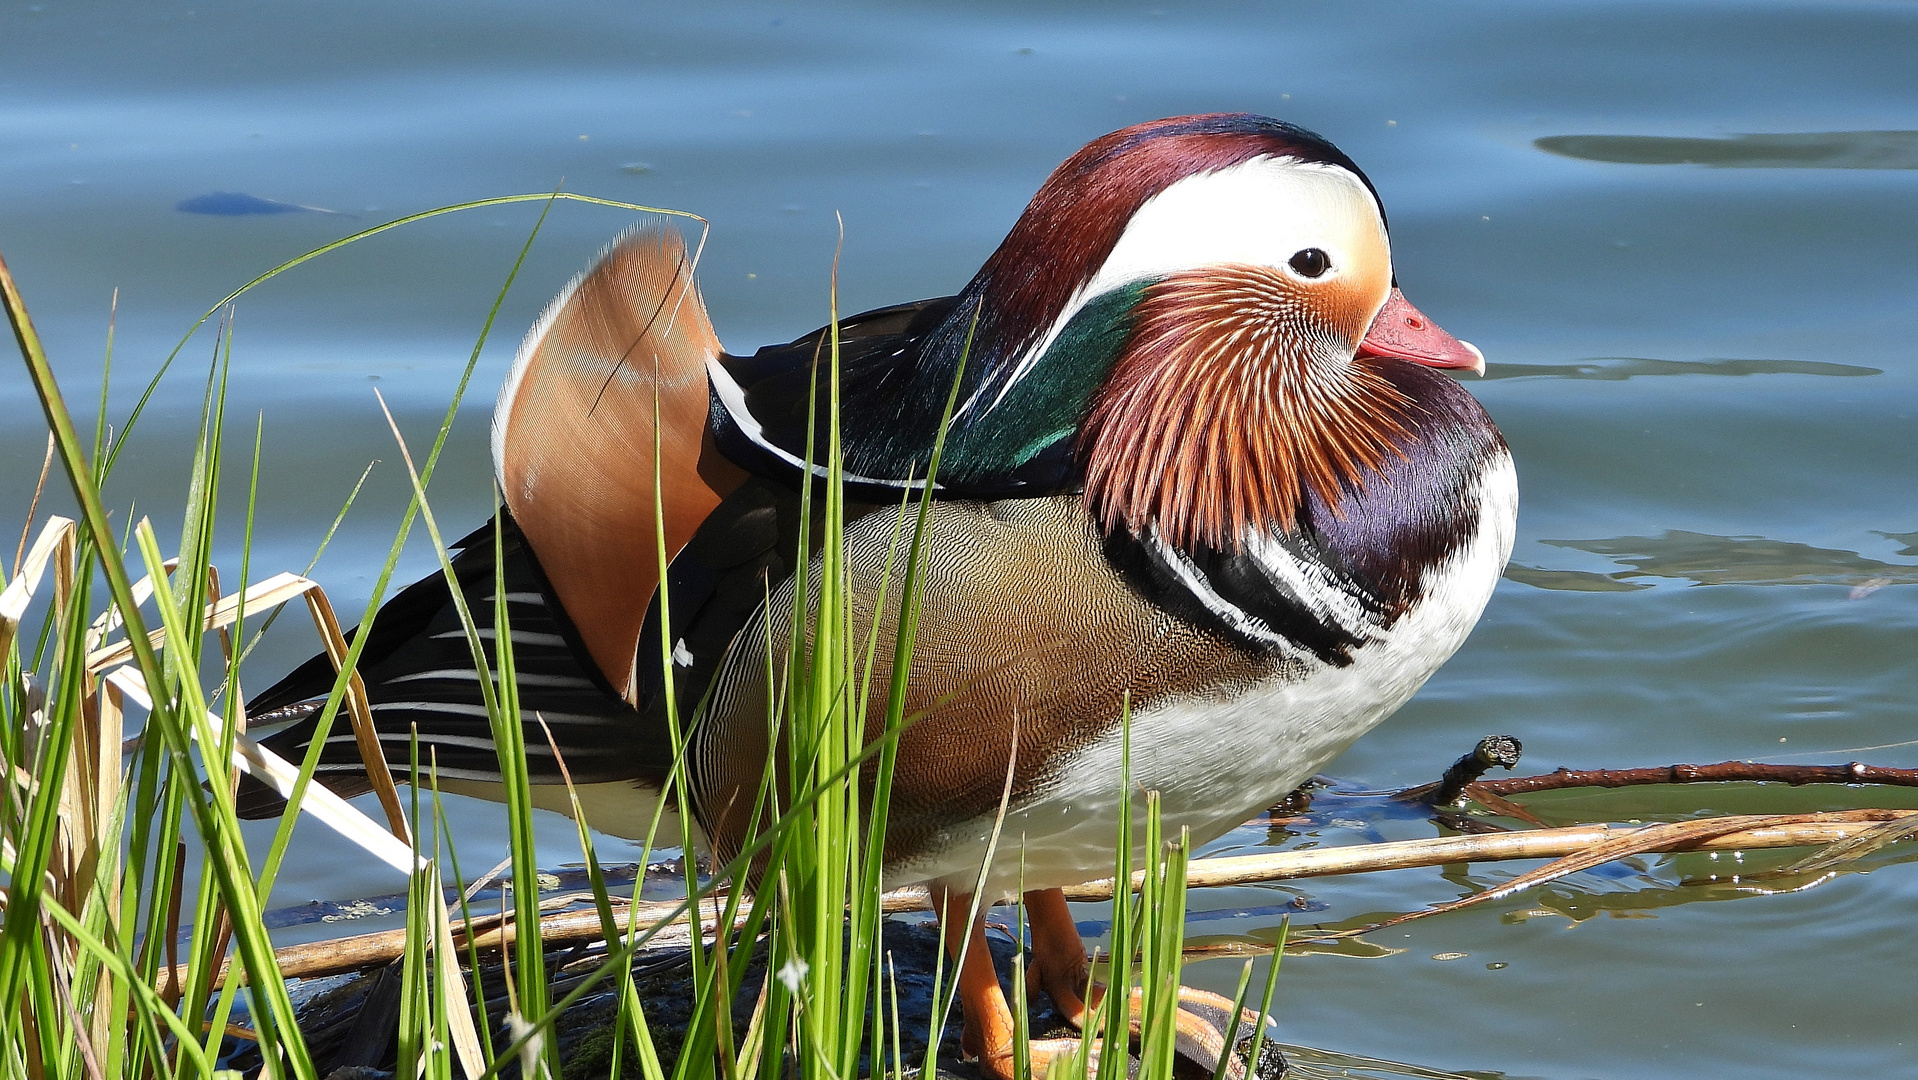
664 980
349 1021
239 203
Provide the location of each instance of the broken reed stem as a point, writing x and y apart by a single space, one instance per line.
367 950
1499 750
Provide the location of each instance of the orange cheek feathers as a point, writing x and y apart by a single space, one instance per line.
1233 397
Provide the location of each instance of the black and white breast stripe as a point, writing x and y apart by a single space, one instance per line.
1280 593
1345 573
1279 596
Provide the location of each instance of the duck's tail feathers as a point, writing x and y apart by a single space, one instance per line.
421 681
575 445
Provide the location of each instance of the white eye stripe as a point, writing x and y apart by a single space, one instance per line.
1260 213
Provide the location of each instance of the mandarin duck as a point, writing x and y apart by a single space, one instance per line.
1200 466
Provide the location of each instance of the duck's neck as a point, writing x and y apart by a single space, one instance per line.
1001 425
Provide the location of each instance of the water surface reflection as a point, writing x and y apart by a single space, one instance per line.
1783 150
1705 559
1620 368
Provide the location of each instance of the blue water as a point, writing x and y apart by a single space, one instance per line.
1707 373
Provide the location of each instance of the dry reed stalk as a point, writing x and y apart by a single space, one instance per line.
1771 831
276 590
1802 831
124 682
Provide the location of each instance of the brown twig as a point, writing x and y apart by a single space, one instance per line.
170 990
46 466
1723 772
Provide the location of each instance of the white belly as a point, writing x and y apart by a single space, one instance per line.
1217 762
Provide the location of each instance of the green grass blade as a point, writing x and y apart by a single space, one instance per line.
1271 984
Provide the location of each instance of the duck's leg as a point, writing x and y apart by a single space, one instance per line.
1058 955
989 1029
1059 967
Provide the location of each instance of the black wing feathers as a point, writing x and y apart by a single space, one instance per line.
419 674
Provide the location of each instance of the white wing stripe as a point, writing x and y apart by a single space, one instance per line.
520 637
560 682
733 398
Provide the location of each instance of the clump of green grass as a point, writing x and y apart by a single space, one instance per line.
108 976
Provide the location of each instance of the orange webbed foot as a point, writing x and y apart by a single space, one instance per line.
1060 968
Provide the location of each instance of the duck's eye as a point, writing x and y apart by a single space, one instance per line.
1311 262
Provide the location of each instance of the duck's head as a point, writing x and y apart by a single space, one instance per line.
1236 272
